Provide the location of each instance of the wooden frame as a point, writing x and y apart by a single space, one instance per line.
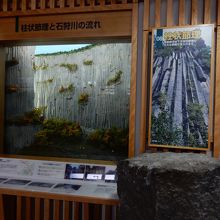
210 13
127 30
179 122
51 206
2 96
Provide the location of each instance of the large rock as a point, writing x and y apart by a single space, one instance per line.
169 186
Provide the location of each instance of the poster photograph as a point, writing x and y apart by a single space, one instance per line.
181 86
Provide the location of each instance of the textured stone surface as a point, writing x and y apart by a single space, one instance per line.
169 186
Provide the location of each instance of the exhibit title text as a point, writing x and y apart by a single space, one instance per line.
61 26
182 35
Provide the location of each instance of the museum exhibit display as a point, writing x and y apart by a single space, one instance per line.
72 103
88 84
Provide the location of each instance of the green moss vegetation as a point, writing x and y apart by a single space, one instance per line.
204 53
42 66
71 67
197 125
88 62
69 52
113 139
58 130
115 79
50 80
33 117
162 131
69 88
83 98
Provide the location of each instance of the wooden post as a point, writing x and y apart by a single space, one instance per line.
14 5
66 210
218 12
42 4
46 209
143 130
28 207
181 12
5 5
157 12
33 4
52 4
85 211
146 14
169 12
217 100
2 97
56 210
194 15
62 3
76 211
2 217
207 13
18 208
23 5
133 88
37 209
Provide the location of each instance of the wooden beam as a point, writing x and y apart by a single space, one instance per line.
62 3
217 100
33 4
157 13
2 97
23 5
102 2
218 12
46 209
107 212
18 208
146 14
82 3
72 3
207 10
56 210
144 79
5 5
66 210
133 88
169 12
37 209
181 12
52 3
42 4
194 14
28 208
76 211
14 5
85 211
92 2
1 208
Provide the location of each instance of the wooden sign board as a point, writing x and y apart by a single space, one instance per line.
84 25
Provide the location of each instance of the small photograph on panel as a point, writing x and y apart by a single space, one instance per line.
2 179
110 174
66 188
106 189
17 182
75 171
95 173
40 185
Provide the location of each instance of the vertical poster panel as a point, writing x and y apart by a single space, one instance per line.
180 91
